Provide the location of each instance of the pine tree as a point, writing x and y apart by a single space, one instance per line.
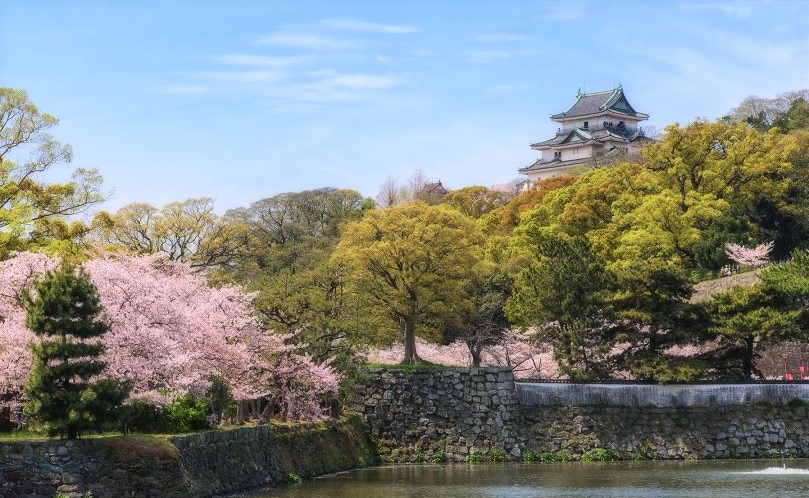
63 390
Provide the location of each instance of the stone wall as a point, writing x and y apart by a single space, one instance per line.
414 416
450 414
204 464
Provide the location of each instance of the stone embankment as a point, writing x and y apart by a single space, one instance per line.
456 415
211 463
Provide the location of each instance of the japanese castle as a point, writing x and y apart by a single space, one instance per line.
599 124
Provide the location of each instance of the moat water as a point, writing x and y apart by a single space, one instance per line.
718 478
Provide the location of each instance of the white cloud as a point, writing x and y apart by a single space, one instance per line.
349 24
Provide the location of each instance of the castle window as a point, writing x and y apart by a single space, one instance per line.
557 155
586 125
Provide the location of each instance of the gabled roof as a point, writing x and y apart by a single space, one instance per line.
599 102
577 136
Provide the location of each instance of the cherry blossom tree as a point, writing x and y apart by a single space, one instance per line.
515 350
15 356
170 333
756 257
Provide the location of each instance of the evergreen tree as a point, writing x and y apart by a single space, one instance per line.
63 389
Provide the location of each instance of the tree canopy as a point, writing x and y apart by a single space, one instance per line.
412 261
32 212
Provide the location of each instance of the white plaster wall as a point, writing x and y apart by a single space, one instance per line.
548 394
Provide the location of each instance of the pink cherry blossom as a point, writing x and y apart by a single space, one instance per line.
756 257
169 333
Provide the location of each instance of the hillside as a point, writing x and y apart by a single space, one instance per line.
704 290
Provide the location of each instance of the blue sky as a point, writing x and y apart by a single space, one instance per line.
241 100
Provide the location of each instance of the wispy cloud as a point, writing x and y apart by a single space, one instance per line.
244 77
185 89
355 80
251 60
486 55
505 37
562 11
301 40
309 74
349 24
732 9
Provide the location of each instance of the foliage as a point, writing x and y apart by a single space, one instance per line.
474 202
64 390
298 216
412 261
483 323
510 213
34 213
763 113
497 455
187 231
299 294
292 478
709 250
187 414
650 300
140 416
563 294
600 455
745 318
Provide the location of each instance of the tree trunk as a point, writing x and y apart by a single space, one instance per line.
410 356
748 358
475 352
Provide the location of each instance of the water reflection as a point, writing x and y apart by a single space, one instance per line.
789 478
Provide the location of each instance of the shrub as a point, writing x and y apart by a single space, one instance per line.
600 455
142 417
497 455
439 456
187 414
474 458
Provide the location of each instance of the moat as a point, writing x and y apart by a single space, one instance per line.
648 479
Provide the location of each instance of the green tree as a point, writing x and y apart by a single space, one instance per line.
475 201
187 231
743 320
31 211
483 320
413 262
746 319
709 251
653 313
564 294
64 390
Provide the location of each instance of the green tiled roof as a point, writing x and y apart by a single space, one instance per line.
597 102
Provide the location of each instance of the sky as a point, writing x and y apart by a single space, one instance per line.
244 99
